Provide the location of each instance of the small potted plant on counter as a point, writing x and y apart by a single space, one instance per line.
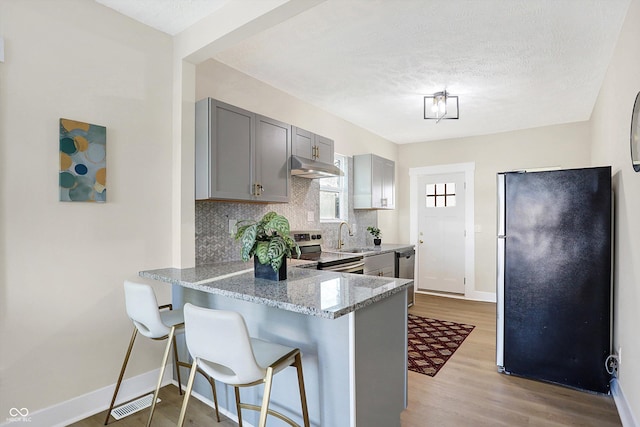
375 232
270 244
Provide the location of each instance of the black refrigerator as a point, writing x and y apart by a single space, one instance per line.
554 276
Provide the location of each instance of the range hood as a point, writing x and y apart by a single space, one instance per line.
307 168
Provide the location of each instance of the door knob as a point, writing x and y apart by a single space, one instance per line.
421 241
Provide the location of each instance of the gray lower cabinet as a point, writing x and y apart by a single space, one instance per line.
240 155
380 265
311 146
373 182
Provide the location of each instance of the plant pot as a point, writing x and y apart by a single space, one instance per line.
377 242
265 271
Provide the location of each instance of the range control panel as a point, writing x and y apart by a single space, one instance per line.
307 238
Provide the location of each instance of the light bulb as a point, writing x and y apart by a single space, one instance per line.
442 105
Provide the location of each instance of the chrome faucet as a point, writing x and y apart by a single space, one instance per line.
340 242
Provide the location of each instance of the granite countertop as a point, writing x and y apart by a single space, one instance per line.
314 292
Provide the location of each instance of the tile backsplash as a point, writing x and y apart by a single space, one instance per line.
215 244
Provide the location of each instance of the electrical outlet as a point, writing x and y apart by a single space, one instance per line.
232 226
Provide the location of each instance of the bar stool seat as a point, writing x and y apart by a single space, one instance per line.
220 345
158 323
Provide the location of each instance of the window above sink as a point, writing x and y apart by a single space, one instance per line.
334 193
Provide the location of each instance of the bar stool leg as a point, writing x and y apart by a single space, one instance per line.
238 406
165 358
187 395
213 392
303 394
264 410
124 367
176 362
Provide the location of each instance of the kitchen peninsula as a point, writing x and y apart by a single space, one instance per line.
352 330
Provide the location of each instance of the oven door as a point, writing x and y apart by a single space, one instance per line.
354 267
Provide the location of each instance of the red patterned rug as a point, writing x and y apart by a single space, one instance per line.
432 342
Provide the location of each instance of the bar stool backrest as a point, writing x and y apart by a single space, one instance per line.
220 341
142 309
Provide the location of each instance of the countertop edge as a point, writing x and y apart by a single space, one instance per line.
271 303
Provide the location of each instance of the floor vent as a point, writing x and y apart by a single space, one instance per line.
132 407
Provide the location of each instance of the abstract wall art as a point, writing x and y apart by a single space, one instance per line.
83 162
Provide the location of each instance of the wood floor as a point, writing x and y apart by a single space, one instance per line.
468 391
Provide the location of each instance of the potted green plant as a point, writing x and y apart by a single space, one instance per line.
375 232
269 243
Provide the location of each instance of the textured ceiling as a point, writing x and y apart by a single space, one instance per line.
514 64
169 16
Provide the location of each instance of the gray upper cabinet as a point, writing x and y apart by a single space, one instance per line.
311 146
302 143
373 182
240 155
272 165
324 149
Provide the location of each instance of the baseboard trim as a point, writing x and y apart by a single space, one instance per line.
471 296
87 405
624 409
482 296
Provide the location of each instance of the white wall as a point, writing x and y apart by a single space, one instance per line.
219 81
610 122
63 326
567 146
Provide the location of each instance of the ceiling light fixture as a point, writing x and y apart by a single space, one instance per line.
441 106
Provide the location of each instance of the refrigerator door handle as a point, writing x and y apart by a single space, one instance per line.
501 206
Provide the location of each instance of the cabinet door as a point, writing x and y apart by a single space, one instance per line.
377 182
232 148
324 149
380 265
373 182
302 143
272 168
388 184
382 183
388 271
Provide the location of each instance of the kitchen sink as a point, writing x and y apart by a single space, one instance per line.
356 250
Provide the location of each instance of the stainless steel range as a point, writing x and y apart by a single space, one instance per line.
310 242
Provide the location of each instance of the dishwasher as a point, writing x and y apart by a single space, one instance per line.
405 262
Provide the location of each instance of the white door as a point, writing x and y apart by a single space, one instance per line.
441 232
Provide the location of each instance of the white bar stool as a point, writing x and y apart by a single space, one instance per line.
229 355
154 322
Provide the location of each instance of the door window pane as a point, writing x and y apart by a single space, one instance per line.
441 195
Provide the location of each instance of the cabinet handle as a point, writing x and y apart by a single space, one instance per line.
257 189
